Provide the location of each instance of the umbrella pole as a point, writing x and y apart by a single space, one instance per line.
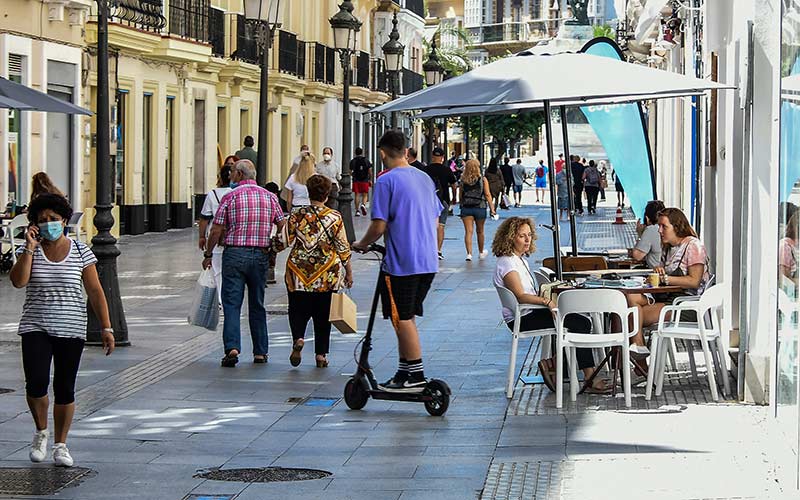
570 193
548 127
481 141
466 137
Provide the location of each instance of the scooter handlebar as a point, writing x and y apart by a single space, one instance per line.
377 248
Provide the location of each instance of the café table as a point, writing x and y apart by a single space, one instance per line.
627 290
624 273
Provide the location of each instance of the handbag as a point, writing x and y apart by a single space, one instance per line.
342 314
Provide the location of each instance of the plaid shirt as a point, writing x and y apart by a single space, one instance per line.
248 214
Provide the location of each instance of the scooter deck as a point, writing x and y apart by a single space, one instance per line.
413 397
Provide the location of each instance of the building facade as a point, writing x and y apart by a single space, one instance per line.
184 86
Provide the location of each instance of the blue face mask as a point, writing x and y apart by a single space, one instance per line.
52 230
233 185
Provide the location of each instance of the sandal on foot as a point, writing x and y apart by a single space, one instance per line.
322 363
598 390
548 374
294 357
261 360
230 360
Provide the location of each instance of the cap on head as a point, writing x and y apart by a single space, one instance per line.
437 151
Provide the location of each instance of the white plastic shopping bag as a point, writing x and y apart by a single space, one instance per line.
205 305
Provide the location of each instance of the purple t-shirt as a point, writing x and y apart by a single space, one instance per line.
406 199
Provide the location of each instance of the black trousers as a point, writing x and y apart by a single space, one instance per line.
541 319
591 197
578 192
38 350
304 306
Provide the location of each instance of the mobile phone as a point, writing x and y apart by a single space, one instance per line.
38 235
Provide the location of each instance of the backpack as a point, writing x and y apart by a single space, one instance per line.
592 176
473 194
540 171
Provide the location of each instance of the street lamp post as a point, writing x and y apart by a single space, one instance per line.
104 245
434 73
265 16
345 29
393 53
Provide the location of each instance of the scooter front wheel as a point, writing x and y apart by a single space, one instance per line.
440 397
355 395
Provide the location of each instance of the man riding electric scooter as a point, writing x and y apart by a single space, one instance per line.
405 211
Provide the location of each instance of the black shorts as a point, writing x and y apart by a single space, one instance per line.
402 296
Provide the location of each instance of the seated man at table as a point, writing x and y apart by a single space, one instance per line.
684 264
513 242
648 247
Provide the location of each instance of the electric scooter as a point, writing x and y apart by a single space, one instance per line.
435 395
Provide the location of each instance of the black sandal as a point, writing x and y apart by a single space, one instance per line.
548 375
229 361
260 361
294 356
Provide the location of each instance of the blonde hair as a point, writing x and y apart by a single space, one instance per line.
503 243
41 184
472 172
306 169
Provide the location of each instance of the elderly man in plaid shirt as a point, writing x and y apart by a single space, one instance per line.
245 219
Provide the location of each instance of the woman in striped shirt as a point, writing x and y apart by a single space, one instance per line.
55 269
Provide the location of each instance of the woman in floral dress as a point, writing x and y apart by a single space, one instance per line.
318 265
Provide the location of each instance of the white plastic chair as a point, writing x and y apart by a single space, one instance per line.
509 301
595 303
20 221
541 277
707 329
74 225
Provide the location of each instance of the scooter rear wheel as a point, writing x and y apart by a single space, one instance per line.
440 397
355 396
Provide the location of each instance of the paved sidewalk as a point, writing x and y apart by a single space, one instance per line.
152 415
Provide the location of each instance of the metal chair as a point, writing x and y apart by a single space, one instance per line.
10 239
595 303
74 225
509 301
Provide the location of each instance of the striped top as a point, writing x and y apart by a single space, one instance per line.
54 301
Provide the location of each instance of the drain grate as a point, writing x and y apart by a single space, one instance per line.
38 481
3 390
263 474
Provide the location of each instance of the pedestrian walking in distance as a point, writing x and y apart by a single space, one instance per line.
55 270
508 175
541 180
591 184
247 152
318 266
207 213
296 189
475 197
304 151
444 182
496 183
246 217
577 183
519 181
361 169
333 171
405 209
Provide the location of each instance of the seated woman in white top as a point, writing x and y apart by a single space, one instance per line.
648 247
513 243
297 192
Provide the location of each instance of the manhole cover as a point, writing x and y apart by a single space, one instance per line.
263 474
37 481
3 390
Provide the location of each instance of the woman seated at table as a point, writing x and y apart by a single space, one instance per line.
684 264
648 247
513 243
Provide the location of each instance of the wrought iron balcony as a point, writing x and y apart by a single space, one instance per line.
216 31
322 67
528 31
291 54
189 19
361 76
246 46
145 15
410 82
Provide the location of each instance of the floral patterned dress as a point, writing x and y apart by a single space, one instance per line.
319 250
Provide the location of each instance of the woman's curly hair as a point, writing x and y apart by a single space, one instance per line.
503 243
49 201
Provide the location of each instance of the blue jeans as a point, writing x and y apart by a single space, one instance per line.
244 266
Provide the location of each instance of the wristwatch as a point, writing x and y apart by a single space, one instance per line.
207 255
109 330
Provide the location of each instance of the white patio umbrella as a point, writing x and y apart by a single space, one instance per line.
538 80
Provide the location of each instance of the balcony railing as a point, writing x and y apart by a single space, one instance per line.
410 82
291 54
216 31
379 81
509 32
323 66
362 70
145 15
189 19
415 6
330 65
246 46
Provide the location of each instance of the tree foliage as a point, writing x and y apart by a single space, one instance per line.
454 60
604 31
507 130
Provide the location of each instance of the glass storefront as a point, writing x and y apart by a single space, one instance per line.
788 384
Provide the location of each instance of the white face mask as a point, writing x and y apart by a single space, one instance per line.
326 157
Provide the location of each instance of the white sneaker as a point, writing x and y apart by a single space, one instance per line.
61 455
484 254
469 257
39 446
